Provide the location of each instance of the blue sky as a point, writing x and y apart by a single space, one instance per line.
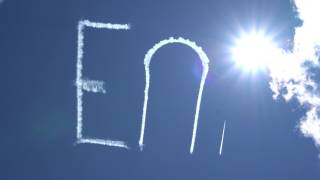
38 55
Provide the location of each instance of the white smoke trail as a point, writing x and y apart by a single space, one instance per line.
293 73
105 142
205 68
100 25
222 138
94 86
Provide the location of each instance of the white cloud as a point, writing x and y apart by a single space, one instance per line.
291 72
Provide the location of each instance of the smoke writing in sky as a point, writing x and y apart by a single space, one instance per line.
94 86
147 60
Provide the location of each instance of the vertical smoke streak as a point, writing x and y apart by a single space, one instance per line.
222 138
79 79
94 86
205 68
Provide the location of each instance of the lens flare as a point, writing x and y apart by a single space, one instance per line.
253 51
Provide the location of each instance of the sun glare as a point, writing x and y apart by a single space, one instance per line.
253 51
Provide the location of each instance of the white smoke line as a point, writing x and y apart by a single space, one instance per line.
105 142
94 86
100 25
79 79
222 138
205 65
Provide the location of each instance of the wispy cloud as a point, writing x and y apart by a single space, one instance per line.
293 73
205 68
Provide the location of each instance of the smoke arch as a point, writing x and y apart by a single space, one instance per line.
205 69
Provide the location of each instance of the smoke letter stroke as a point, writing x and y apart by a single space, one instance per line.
205 68
94 86
222 138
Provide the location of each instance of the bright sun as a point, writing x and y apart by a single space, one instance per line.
253 51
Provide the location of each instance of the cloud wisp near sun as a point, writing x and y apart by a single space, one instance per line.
293 73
